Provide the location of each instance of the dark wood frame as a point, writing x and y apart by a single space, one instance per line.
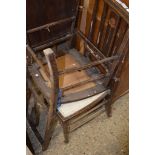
104 102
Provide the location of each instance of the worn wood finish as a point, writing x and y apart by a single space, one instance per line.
104 13
119 9
66 131
123 84
86 119
89 65
95 56
119 73
38 98
51 60
110 43
30 50
123 54
73 58
51 117
119 37
92 26
54 42
112 37
83 116
88 111
47 26
118 48
85 82
29 145
30 127
94 52
46 91
113 83
122 87
49 94
83 94
39 82
41 12
87 41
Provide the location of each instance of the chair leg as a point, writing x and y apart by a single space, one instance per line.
50 126
66 132
48 134
108 108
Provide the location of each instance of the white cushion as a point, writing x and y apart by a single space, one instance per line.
72 107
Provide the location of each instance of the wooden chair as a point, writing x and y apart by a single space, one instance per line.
77 86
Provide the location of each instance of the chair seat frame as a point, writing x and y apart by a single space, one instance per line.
111 65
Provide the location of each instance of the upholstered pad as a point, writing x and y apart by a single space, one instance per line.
70 108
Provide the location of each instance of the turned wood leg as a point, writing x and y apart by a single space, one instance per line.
50 126
66 132
108 108
48 133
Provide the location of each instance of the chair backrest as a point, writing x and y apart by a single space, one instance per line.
107 28
112 32
47 20
112 35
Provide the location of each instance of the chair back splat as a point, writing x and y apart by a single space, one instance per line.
72 75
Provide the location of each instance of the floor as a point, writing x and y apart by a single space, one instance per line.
101 136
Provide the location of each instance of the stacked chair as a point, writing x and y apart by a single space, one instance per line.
73 85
